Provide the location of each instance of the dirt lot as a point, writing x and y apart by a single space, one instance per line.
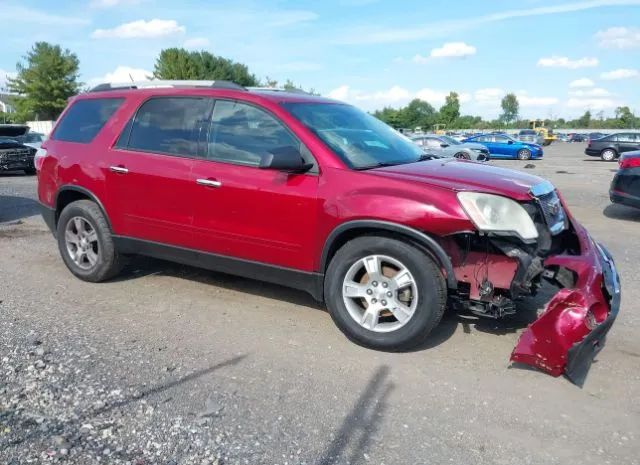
169 364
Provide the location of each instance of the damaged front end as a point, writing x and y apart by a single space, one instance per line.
494 269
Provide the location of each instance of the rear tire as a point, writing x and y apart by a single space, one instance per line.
608 155
86 244
524 154
409 285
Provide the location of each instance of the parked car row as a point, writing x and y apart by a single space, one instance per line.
611 147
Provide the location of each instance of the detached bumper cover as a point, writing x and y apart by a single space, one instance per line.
575 322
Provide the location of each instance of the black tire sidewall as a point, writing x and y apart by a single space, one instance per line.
106 252
431 292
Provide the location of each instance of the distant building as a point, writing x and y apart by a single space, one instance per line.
5 103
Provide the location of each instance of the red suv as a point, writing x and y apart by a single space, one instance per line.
317 195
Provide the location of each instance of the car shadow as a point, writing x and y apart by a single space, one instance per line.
141 266
14 208
621 212
360 426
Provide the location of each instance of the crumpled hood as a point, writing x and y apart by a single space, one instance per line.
460 175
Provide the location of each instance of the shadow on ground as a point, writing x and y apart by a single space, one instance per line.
14 208
621 212
358 430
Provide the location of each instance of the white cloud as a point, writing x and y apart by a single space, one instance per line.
196 42
619 37
489 96
447 27
113 3
595 92
622 73
583 82
421 60
141 29
453 49
564 62
122 74
592 103
395 96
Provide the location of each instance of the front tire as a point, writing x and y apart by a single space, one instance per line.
462 156
524 154
384 294
608 155
86 244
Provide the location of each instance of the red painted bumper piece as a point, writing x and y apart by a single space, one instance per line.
573 327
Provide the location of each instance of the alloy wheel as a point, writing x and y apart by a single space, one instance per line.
380 293
81 240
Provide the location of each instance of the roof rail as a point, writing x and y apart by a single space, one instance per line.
159 83
279 89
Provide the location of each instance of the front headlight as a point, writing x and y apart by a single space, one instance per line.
476 150
494 213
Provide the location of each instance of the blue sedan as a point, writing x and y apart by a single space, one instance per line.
503 146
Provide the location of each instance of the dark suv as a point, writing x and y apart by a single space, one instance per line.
611 147
317 195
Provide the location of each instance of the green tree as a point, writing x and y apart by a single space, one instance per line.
585 120
625 117
391 116
417 113
510 108
178 63
46 79
450 111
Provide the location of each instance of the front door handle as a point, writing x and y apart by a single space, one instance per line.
209 182
119 169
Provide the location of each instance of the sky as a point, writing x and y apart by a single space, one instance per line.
560 58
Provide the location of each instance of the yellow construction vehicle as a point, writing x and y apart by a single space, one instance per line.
439 128
538 126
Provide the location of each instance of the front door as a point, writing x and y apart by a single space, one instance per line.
149 175
247 212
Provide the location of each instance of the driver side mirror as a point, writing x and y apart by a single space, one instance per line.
510 142
444 146
287 159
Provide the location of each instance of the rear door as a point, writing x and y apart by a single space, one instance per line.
250 213
628 142
149 175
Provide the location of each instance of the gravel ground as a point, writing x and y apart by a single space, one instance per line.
174 365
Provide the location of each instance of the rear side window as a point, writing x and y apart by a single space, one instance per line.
169 125
627 137
82 122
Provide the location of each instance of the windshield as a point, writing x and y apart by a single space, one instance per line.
450 140
361 140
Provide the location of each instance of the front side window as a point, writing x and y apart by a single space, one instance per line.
169 125
82 122
243 134
433 143
450 140
359 139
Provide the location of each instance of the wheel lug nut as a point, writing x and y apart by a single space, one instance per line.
385 285
369 291
389 294
373 301
383 302
374 284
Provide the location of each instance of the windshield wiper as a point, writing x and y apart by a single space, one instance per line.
380 164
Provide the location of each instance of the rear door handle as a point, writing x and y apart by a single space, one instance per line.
119 169
209 182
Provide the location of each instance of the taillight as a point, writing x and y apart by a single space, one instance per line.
38 158
630 162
